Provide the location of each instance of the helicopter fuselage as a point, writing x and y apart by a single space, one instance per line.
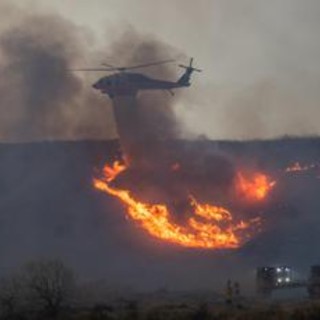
128 83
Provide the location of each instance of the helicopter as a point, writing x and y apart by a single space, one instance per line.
123 83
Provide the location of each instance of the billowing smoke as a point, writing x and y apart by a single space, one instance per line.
155 116
43 98
148 130
40 97
260 65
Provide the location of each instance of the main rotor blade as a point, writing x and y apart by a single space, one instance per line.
187 67
146 65
96 69
112 68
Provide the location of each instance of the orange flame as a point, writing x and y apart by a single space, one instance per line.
254 188
210 227
110 173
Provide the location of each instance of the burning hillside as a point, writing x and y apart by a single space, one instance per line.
205 224
215 204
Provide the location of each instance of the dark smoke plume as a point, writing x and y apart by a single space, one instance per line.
156 108
40 97
148 128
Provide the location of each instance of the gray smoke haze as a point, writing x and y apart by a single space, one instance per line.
263 74
260 60
40 97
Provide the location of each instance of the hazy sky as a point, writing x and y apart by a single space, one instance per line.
260 58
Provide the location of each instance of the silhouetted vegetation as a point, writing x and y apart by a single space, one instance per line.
41 288
47 289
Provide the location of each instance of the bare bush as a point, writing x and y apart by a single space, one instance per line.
12 298
50 285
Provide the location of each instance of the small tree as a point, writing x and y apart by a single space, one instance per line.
50 285
12 298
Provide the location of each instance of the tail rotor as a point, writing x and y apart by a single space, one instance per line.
185 78
190 66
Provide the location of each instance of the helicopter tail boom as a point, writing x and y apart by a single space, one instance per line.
184 80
